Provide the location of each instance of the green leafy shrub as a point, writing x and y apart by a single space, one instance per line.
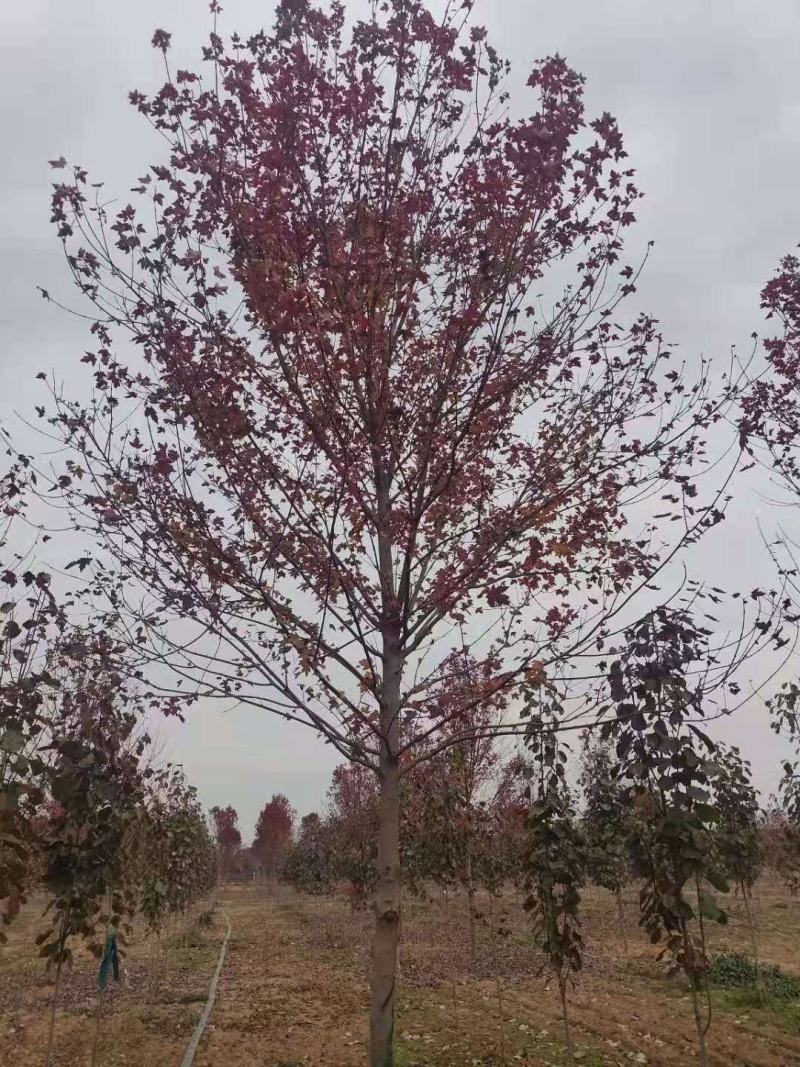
734 971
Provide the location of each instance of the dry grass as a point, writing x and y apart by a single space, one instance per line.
294 991
145 1018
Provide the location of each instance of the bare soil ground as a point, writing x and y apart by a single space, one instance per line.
294 992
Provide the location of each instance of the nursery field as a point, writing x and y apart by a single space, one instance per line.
294 988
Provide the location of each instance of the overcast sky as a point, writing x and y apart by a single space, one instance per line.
708 99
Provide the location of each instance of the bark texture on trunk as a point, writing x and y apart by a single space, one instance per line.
387 918
386 938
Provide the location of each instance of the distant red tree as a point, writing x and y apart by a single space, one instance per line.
273 832
228 836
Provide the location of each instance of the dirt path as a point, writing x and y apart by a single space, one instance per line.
281 1001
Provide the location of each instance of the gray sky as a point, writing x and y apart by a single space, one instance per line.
708 99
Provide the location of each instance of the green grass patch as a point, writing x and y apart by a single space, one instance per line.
734 971
764 1010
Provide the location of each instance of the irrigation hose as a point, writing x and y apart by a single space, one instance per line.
202 1022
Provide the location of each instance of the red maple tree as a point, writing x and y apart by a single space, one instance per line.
360 423
273 832
228 836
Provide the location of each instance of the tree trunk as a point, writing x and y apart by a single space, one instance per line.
151 969
473 939
562 990
496 969
502 1013
622 926
51 1030
386 938
387 918
99 1010
698 1021
703 945
693 984
759 991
